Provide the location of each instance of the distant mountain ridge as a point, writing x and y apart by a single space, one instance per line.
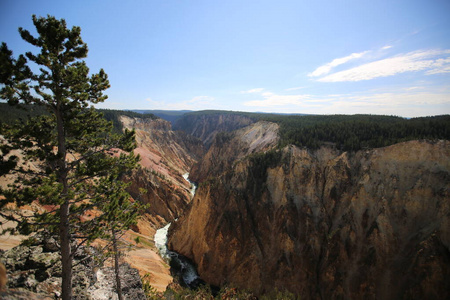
168 115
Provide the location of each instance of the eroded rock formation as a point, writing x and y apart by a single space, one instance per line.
165 156
231 146
323 224
207 125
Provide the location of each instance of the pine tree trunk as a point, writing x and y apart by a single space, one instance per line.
66 256
64 225
116 265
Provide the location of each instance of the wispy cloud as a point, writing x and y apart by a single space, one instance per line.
295 88
196 103
252 91
325 69
270 100
440 66
411 102
406 104
430 60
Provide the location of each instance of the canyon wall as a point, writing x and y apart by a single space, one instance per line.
206 126
165 156
231 146
322 224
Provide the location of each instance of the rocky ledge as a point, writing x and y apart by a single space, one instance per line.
34 272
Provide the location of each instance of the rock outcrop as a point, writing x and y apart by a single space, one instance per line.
34 271
368 225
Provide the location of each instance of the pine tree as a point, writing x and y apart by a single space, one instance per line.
77 155
119 214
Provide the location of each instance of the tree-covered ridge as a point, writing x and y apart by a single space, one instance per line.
113 115
355 132
168 115
10 114
346 132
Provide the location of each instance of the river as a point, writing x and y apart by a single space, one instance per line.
180 265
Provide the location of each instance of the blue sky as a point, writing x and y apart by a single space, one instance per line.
318 57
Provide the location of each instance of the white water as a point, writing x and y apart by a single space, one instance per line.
193 187
189 274
161 241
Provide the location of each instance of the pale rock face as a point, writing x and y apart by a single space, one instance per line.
323 224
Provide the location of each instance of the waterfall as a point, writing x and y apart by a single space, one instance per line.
161 241
181 265
193 186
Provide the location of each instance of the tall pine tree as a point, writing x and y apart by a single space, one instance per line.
77 155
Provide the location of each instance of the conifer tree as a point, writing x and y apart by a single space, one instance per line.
119 214
78 157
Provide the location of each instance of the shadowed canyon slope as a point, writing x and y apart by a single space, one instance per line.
322 224
230 146
206 126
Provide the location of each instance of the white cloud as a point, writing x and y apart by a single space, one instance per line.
404 104
252 91
394 99
325 69
386 47
295 88
440 66
271 100
410 102
409 62
412 88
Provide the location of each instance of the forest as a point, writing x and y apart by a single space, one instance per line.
10 114
356 132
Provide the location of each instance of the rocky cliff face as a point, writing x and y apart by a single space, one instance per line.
368 225
229 147
165 156
207 126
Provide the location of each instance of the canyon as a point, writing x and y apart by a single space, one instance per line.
323 224
320 223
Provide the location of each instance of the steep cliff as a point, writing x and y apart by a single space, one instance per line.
230 146
206 126
165 156
325 224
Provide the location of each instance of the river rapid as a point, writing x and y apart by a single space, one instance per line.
180 266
